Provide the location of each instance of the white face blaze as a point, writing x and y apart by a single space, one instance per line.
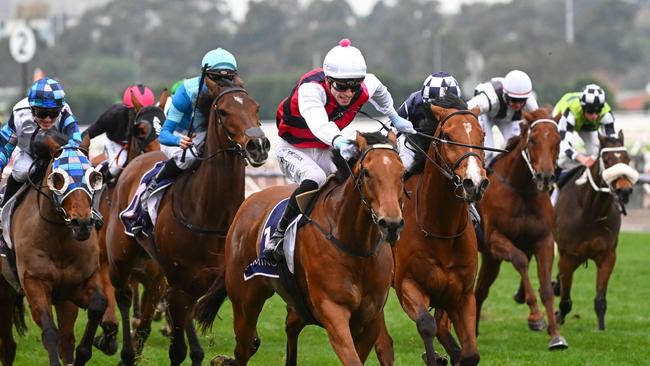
238 99
386 160
473 164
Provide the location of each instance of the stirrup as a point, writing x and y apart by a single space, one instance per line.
273 249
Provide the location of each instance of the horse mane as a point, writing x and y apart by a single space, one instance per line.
41 151
611 140
343 172
205 100
450 101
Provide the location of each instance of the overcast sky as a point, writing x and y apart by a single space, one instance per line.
362 7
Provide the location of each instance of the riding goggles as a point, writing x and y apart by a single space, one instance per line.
517 100
221 74
344 84
592 109
46 112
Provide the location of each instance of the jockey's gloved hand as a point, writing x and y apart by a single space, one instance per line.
401 124
346 147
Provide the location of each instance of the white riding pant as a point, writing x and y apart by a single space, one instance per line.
22 162
116 156
406 154
175 152
299 163
507 128
592 145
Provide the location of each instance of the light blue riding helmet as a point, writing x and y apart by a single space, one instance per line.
219 59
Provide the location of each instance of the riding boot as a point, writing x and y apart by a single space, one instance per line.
168 171
273 248
96 214
12 187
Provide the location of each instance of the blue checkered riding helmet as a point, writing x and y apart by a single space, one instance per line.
438 85
46 93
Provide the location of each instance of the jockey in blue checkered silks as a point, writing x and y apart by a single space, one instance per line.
44 108
435 86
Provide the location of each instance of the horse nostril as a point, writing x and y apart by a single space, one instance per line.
484 185
266 144
382 223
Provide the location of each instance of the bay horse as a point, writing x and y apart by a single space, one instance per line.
56 248
143 138
588 221
436 258
193 216
352 218
12 312
517 217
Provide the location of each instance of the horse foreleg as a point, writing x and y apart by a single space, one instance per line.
445 337
180 310
40 305
364 341
293 325
7 305
336 321
107 341
605 268
487 274
416 303
566 266
384 345
544 258
463 317
66 314
123 298
95 303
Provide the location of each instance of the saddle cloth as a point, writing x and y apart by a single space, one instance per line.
263 266
134 219
7 254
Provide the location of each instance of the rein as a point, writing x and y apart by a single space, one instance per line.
177 211
375 219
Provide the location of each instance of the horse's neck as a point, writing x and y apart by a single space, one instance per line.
351 221
514 169
436 200
596 204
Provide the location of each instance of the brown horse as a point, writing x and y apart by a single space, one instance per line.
12 312
56 246
143 139
437 257
352 218
193 217
588 220
517 217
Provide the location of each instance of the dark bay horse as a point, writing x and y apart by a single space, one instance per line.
588 220
193 217
53 234
343 278
142 139
517 217
436 258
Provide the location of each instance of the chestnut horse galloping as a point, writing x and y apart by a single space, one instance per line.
142 139
517 217
343 266
193 217
436 258
588 220
53 234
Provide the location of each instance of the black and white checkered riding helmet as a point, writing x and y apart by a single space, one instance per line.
592 95
437 85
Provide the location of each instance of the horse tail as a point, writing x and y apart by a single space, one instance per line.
208 305
19 315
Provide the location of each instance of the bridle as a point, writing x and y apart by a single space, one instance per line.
526 154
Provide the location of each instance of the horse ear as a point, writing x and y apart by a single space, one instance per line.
361 142
136 103
238 81
162 100
392 137
476 110
212 86
52 145
621 137
85 143
438 112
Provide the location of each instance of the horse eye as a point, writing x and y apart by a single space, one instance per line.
365 174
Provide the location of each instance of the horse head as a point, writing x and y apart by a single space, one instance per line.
457 144
379 177
71 180
614 165
542 146
145 129
236 113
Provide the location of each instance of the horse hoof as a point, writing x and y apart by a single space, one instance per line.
441 360
221 360
106 344
166 331
519 297
557 343
537 325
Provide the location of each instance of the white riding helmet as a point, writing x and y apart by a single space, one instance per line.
592 95
344 62
517 84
